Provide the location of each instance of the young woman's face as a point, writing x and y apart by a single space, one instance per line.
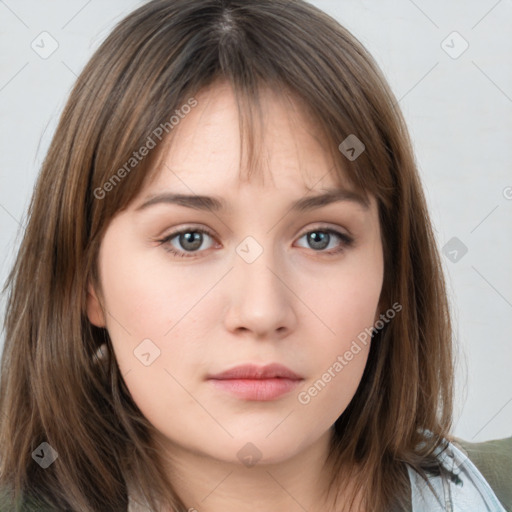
253 282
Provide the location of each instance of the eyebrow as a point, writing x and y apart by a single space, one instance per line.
214 203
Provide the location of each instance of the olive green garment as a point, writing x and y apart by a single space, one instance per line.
494 460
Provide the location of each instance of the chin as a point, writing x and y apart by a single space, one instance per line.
251 449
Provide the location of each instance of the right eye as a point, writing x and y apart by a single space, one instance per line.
190 239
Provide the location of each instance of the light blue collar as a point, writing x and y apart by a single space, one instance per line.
470 491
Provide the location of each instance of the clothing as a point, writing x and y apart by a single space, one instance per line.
468 491
482 481
494 460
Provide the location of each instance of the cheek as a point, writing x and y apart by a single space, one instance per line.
325 397
346 300
340 354
347 307
148 298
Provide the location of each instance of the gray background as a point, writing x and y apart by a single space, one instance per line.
457 102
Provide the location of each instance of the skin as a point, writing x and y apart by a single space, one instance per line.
212 311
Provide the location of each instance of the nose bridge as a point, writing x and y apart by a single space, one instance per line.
259 299
253 271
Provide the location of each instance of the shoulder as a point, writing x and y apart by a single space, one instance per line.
494 461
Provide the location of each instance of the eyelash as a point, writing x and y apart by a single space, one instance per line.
346 241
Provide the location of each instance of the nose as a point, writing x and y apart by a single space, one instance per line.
260 298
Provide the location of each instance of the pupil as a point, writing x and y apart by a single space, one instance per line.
318 239
192 237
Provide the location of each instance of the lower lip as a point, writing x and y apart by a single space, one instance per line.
256 389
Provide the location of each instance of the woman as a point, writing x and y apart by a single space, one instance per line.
297 355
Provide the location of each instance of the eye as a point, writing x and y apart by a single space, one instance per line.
321 238
190 240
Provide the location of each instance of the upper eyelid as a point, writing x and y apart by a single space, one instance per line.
188 229
321 227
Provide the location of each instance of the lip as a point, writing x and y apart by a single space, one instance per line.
260 383
253 371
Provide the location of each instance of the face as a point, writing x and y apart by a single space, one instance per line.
191 289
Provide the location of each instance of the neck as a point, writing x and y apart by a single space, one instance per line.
296 484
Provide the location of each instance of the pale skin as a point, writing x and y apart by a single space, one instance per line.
212 310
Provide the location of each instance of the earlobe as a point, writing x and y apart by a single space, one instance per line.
94 309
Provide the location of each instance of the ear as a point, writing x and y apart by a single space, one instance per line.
94 309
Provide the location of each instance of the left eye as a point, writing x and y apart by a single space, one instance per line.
320 239
191 241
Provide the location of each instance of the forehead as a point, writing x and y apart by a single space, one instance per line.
204 148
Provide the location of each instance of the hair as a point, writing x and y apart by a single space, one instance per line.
54 388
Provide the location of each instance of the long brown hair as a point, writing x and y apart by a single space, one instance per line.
53 388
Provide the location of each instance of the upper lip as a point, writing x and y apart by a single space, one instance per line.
252 371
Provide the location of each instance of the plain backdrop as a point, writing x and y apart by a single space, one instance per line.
450 65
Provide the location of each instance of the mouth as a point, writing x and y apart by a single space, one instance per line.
258 383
